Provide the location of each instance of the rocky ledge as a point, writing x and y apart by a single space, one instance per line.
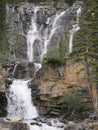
53 81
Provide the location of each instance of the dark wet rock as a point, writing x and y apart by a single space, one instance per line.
37 51
41 16
8 82
36 123
3 104
10 71
24 70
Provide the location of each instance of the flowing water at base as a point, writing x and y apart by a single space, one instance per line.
20 106
20 102
43 126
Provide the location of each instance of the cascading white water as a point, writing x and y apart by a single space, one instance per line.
56 24
45 127
19 96
34 32
19 101
20 105
32 35
73 30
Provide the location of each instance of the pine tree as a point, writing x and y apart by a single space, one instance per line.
86 43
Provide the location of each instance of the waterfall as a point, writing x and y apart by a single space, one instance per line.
55 25
54 31
38 40
32 35
20 102
20 105
73 30
54 22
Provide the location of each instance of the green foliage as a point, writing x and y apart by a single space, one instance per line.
57 55
86 43
70 2
73 105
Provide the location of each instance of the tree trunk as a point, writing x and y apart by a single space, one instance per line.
92 86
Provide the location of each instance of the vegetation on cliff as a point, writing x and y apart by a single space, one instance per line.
86 43
4 47
57 55
73 106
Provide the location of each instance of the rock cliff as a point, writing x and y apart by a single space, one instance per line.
51 26
53 81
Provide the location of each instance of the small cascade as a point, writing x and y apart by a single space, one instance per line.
55 26
32 35
73 30
20 102
15 69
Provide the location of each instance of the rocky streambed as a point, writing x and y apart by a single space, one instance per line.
88 124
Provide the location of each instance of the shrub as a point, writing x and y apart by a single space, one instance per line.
58 54
73 105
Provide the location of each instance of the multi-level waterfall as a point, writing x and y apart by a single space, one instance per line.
38 42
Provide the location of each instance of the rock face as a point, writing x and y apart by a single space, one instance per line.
45 16
3 100
56 80
52 81
24 70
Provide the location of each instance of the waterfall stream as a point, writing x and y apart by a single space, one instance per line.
32 35
19 95
56 25
20 102
73 30
20 105
34 32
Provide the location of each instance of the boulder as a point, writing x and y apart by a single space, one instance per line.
3 99
24 70
3 104
15 119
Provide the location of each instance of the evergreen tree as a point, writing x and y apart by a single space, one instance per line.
86 42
